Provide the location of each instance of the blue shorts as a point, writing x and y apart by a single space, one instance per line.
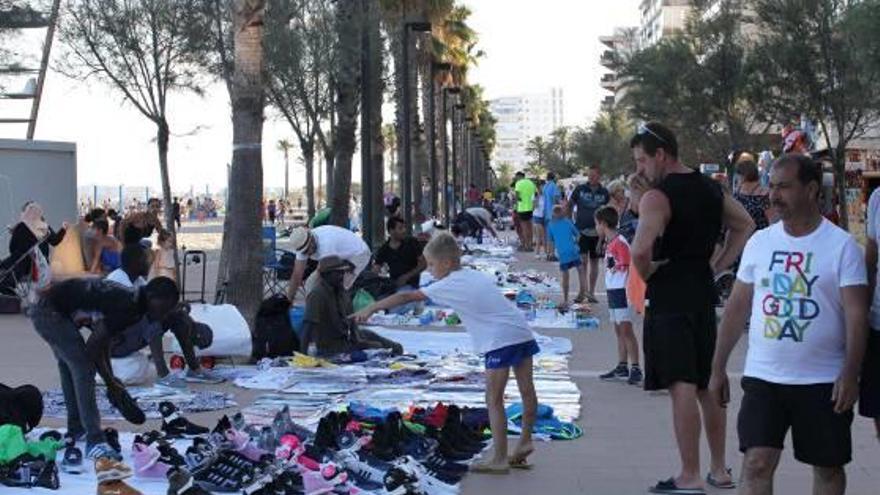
568 265
511 356
538 220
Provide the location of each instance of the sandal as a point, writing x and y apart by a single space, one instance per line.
483 468
523 464
729 485
669 486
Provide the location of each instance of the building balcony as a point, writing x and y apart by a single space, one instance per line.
608 59
608 40
608 103
609 82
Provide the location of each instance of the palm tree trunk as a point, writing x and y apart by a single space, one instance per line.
348 72
309 159
245 255
399 114
375 91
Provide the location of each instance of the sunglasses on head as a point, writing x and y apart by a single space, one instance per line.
643 129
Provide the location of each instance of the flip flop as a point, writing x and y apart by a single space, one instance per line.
483 468
669 486
519 464
723 486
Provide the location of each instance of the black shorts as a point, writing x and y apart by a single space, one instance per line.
678 348
524 216
589 246
869 398
820 436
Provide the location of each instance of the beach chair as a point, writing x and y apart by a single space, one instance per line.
277 264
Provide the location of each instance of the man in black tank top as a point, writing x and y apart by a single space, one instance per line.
681 213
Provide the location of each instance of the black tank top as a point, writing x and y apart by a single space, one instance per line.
686 284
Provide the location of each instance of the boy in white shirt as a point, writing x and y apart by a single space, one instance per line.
617 261
497 330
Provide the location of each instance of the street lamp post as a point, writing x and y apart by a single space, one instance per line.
407 182
456 146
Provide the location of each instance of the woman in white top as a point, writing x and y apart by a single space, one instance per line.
538 221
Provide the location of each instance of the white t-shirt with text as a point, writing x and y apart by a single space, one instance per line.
797 334
491 320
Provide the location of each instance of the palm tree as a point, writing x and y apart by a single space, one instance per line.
285 146
538 149
347 78
246 178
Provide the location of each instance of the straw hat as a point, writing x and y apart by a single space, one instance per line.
300 239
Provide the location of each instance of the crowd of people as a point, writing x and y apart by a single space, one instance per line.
804 292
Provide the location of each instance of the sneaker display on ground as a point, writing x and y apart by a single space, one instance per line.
324 480
180 482
27 471
116 488
635 376
47 477
107 469
174 425
401 482
618 373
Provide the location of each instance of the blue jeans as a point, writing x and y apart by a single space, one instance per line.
76 369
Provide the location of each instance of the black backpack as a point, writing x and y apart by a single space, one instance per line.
285 263
274 334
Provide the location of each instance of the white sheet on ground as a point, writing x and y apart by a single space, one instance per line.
231 334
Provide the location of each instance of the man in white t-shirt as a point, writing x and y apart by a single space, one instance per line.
321 242
869 399
804 281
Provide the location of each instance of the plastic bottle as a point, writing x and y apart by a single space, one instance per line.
313 349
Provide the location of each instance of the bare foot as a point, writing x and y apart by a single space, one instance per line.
491 467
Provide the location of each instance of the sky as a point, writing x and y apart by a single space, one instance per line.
528 50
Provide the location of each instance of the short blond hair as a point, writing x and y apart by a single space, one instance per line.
616 186
443 246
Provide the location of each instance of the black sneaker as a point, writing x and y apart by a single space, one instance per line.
111 436
72 459
174 425
635 376
180 482
48 477
402 482
167 454
621 372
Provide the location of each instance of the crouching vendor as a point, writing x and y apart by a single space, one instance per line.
328 307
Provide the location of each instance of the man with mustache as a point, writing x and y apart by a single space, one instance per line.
681 213
804 280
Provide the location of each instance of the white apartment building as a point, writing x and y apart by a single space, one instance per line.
661 18
619 46
521 118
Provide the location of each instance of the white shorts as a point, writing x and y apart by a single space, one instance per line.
621 315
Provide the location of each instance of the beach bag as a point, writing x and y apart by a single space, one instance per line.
635 291
273 335
362 299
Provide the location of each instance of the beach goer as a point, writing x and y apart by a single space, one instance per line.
681 215
525 205
585 200
497 330
804 281
106 249
617 263
564 235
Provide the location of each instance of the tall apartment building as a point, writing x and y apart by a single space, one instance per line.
620 45
521 118
661 18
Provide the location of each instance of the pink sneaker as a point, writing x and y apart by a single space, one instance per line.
146 462
289 447
242 444
324 480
